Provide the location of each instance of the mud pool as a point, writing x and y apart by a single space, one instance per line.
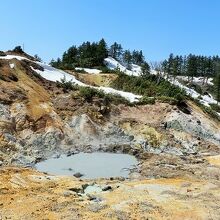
90 165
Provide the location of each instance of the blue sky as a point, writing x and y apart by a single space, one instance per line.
158 27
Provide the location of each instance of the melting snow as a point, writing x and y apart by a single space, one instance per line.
88 70
9 57
113 64
198 80
204 99
53 74
12 65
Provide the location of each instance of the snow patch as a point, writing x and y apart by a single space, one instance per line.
12 65
10 57
197 80
88 70
127 95
113 64
53 74
204 99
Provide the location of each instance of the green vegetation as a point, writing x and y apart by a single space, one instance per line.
86 55
146 101
67 85
80 71
90 55
209 110
147 86
195 66
18 49
151 87
89 93
170 100
215 107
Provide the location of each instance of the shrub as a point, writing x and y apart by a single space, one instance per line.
116 99
146 101
147 86
105 69
215 107
66 85
18 49
166 99
80 71
2 53
207 110
88 93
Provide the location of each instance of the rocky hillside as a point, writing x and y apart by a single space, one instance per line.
40 118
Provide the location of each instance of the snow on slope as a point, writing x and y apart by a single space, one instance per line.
9 57
88 70
53 74
113 64
197 80
204 99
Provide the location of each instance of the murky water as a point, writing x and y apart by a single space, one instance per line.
91 165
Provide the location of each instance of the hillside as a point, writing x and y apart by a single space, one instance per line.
46 112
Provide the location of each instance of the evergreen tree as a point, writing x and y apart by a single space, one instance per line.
217 81
102 51
145 69
191 67
127 58
170 65
18 49
116 51
137 57
37 58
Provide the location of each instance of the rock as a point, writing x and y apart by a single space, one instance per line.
84 186
91 197
94 198
78 175
1 163
69 154
96 207
121 178
186 184
74 189
106 188
67 194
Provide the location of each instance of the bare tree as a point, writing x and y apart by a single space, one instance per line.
158 68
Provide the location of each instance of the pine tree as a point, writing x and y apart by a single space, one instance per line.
127 58
145 69
137 57
102 51
218 87
191 66
116 51
169 67
37 58
217 81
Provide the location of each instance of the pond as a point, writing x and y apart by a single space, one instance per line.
90 165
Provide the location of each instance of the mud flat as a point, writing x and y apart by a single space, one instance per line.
90 165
